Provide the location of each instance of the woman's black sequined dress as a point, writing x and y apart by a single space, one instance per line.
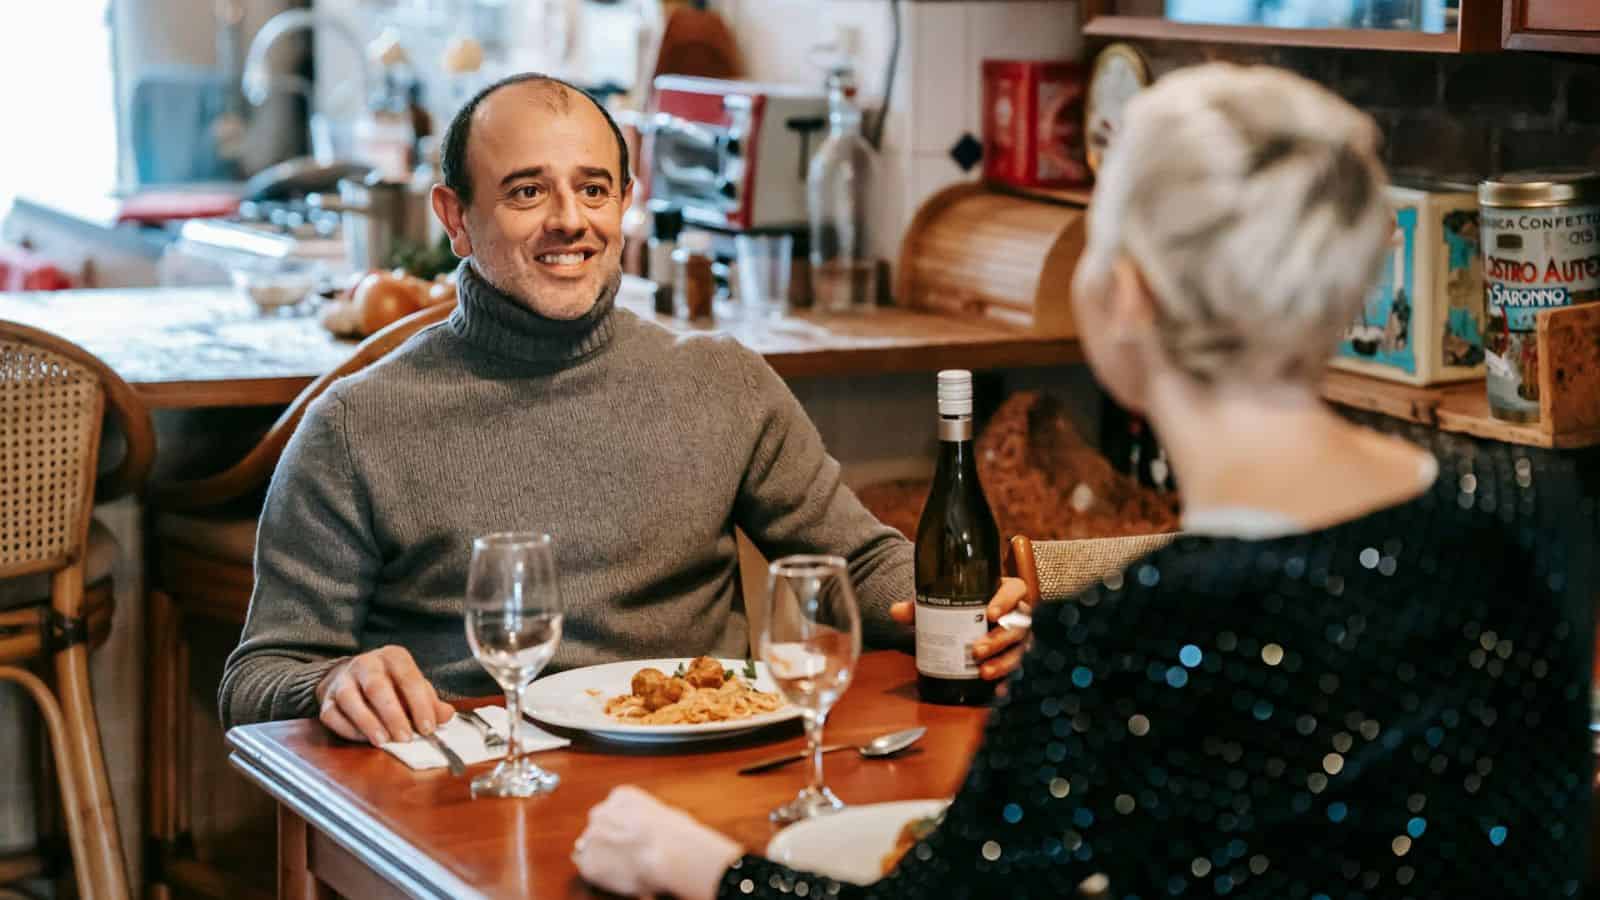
1396 707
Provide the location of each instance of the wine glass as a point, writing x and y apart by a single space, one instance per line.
513 624
810 642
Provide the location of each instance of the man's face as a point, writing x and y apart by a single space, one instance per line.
545 221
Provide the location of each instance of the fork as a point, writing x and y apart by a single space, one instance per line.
491 738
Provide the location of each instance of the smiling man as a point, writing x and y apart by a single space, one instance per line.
538 406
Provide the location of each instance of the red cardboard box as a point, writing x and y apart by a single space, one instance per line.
1033 131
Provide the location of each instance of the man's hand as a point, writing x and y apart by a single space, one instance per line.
1000 652
380 696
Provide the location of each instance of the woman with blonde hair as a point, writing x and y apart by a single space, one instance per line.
1353 677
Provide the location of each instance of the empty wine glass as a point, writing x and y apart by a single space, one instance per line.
513 624
810 641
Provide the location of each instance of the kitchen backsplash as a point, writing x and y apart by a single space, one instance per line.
936 84
1456 116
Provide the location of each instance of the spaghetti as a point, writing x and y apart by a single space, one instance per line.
705 693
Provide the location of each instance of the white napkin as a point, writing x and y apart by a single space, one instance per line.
466 740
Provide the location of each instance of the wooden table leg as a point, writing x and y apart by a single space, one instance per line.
295 881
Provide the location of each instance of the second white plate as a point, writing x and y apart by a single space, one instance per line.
849 845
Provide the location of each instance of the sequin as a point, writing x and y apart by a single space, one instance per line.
1399 661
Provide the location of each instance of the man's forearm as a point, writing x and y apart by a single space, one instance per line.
263 687
884 573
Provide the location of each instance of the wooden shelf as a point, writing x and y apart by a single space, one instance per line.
1461 408
1552 26
1477 31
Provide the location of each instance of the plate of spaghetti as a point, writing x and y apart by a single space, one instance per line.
661 700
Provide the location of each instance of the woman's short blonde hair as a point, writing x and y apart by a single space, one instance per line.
1252 201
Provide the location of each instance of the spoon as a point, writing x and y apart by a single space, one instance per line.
880 746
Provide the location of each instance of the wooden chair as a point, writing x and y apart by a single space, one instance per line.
1060 570
204 552
55 572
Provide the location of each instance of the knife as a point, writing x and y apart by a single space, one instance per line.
457 767
787 758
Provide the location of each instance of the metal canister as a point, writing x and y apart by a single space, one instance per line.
1541 249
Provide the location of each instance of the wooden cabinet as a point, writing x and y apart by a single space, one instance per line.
1444 26
1563 26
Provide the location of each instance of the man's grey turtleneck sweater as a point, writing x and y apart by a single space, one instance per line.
638 450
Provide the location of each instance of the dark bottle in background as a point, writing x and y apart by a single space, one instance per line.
1131 445
957 559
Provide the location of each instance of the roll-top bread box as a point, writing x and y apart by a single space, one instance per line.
972 250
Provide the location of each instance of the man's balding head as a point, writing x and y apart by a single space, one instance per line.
556 95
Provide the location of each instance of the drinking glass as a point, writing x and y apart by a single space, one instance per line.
765 261
513 624
810 641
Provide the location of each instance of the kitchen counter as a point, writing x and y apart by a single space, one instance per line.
209 347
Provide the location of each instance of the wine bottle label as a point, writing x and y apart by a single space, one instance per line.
946 630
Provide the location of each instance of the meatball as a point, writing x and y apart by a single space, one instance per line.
705 672
666 693
647 680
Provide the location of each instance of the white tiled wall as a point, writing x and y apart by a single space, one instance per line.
937 88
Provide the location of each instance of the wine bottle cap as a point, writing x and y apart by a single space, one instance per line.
955 392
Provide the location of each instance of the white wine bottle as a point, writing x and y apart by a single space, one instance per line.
957 559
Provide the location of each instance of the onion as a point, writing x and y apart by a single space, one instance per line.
383 298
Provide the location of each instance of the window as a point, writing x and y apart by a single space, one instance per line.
57 100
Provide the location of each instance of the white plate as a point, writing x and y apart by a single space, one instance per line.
849 845
577 698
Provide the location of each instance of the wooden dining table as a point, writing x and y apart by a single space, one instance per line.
354 821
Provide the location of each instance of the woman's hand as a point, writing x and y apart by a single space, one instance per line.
638 846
